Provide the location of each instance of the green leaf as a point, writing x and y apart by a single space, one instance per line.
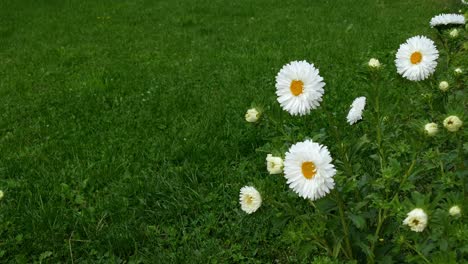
45 255
358 220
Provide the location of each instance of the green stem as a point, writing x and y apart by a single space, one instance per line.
381 220
344 224
405 177
441 164
461 153
383 212
417 251
348 168
446 46
379 127
461 167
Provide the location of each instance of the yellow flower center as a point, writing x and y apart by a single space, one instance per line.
248 199
416 57
297 87
415 221
309 170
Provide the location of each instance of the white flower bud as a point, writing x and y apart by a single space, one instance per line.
454 33
374 63
274 164
252 115
452 123
443 86
431 129
455 210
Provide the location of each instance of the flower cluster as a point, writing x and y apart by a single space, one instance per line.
377 182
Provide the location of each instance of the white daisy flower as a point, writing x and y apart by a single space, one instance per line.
416 59
355 114
453 123
274 164
416 220
250 199
431 129
252 115
444 86
447 19
308 170
299 87
455 210
458 71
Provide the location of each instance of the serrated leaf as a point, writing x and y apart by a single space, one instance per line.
358 220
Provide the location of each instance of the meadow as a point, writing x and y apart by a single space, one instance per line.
122 129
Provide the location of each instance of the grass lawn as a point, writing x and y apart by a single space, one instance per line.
122 131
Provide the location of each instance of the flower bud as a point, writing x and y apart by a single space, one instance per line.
431 129
274 164
252 115
443 86
455 210
452 123
374 63
453 33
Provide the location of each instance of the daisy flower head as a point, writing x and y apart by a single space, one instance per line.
416 220
455 210
452 123
250 199
416 59
458 71
355 113
299 87
274 164
252 115
447 19
431 129
308 170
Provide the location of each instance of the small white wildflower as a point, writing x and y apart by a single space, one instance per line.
308 170
299 87
416 59
416 220
453 123
458 71
355 113
447 19
250 199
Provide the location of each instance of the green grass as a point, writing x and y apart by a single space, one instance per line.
122 131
